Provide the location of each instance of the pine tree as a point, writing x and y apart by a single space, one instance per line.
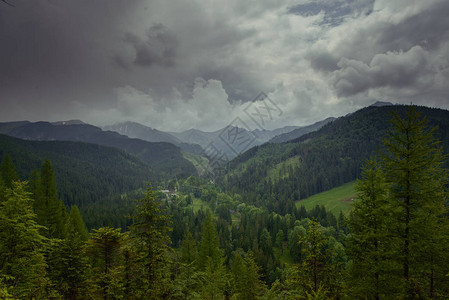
209 246
246 277
315 257
49 208
189 251
8 172
413 164
22 264
75 222
150 230
369 244
67 264
104 246
188 280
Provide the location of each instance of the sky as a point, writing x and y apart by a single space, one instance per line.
175 64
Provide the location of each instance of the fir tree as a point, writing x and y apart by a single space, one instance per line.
8 172
209 246
246 277
75 222
49 208
104 246
413 164
369 244
150 230
22 264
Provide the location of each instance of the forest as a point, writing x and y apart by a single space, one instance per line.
239 237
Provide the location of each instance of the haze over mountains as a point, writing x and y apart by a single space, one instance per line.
164 157
296 163
196 141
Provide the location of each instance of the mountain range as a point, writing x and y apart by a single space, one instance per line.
277 175
165 158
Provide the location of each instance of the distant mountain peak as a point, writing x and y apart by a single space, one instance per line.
381 103
69 122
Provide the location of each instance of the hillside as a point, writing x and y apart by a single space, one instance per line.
85 173
277 175
165 158
139 131
336 200
298 132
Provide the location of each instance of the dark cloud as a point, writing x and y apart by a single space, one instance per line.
323 61
393 69
159 47
143 60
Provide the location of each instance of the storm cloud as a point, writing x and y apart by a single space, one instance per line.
175 65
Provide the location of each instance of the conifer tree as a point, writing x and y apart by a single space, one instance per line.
22 263
189 251
67 264
413 164
8 172
188 280
315 258
104 246
246 277
49 208
75 222
209 246
150 231
369 244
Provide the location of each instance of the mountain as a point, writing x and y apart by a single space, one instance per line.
381 103
230 140
85 173
136 130
165 158
69 122
276 175
296 133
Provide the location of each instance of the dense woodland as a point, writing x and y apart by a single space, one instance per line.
231 238
276 175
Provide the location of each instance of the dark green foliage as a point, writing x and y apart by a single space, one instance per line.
276 175
150 231
67 265
22 263
75 223
417 182
209 246
245 277
49 209
370 246
8 173
166 158
104 246
84 173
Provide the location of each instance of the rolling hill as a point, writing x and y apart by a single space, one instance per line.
139 131
277 175
85 173
164 157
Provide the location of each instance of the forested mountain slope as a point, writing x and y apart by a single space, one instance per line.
85 173
276 175
139 131
163 157
298 132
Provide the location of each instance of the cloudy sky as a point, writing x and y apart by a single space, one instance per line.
176 64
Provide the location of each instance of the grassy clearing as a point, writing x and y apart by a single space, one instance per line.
335 200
